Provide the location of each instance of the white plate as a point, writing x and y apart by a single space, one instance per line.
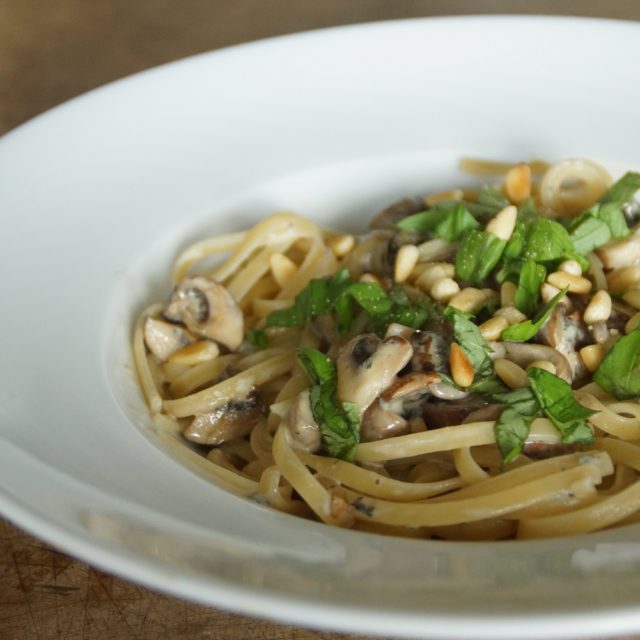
98 195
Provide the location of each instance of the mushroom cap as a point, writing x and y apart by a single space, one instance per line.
207 309
305 432
164 338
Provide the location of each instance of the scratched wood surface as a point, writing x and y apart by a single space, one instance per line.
52 51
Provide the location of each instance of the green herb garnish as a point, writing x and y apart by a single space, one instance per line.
512 426
619 372
524 331
479 252
447 223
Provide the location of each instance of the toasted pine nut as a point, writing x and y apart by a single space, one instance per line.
492 328
406 260
431 272
461 369
370 277
548 292
571 266
507 294
397 329
342 244
453 194
444 289
503 223
436 249
632 297
510 314
510 373
195 353
621 279
599 309
633 323
518 183
543 364
282 268
576 284
471 299
592 356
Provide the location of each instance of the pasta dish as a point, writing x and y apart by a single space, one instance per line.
468 369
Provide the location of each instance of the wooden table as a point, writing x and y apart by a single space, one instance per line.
53 50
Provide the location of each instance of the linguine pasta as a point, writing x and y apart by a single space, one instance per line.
468 369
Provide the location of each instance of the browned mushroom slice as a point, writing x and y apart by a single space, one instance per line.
379 423
164 338
391 215
232 420
488 412
207 309
524 353
430 351
367 365
445 414
305 433
542 450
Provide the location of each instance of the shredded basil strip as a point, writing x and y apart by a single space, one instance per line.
478 253
559 405
524 331
511 429
532 275
619 372
446 223
257 338
339 423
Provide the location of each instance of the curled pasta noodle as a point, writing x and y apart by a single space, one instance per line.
315 372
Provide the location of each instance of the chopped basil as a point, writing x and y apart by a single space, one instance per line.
624 190
597 225
619 372
488 202
336 295
546 240
257 338
524 331
339 422
532 275
446 223
512 426
478 253
558 403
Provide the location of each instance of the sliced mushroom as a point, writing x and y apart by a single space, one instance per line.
543 450
430 351
232 420
164 338
488 412
566 333
379 422
207 309
444 414
524 353
367 366
407 394
305 433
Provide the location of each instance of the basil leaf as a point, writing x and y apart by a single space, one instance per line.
532 275
488 202
624 189
597 225
619 372
590 234
545 240
449 224
511 429
257 338
339 422
477 255
524 331
559 405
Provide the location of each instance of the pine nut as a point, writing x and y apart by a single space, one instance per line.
543 364
461 369
599 309
453 194
621 279
342 244
507 294
633 323
406 260
493 328
397 329
548 292
511 315
576 284
518 183
471 299
195 353
282 268
503 224
444 289
592 356
432 272
510 373
436 249
570 266
370 277
632 297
